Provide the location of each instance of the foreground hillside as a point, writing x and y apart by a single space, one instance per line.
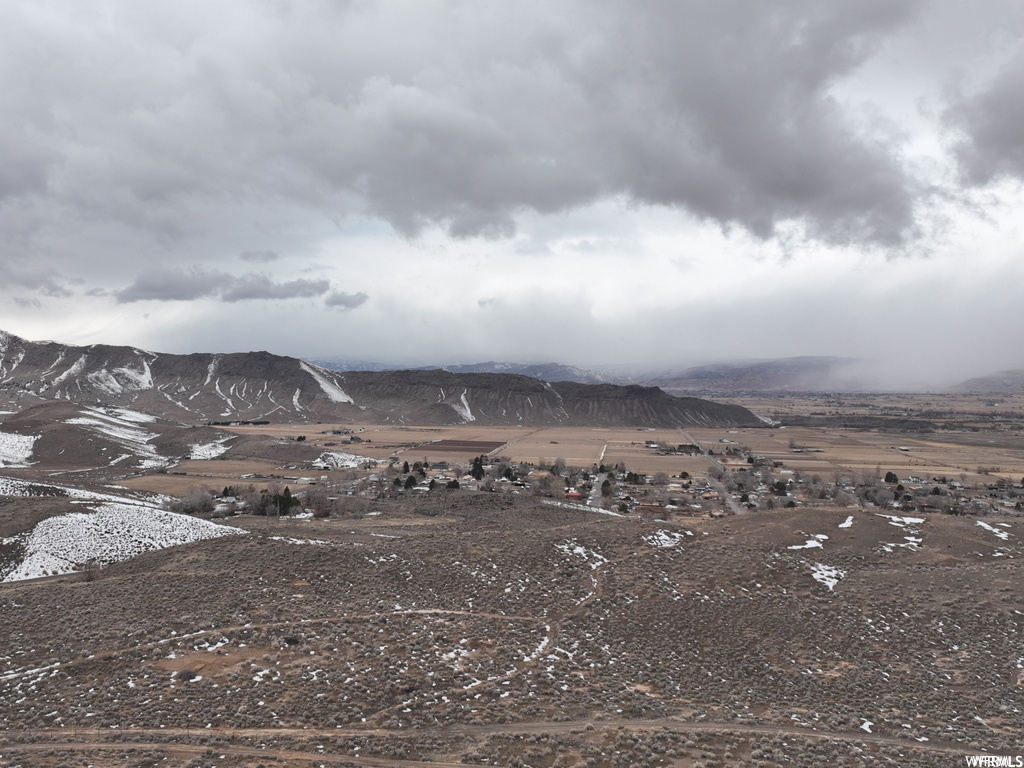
258 386
474 629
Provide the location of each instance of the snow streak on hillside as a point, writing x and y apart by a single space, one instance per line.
332 390
462 408
122 426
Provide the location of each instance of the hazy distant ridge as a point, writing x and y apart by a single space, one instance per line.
1001 382
793 374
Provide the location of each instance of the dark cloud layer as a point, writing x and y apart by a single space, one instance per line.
507 175
176 285
718 109
341 300
262 257
993 124
262 287
166 125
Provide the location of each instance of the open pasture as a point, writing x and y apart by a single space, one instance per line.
972 437
213 474
474 447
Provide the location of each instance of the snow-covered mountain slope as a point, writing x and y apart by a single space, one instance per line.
191 388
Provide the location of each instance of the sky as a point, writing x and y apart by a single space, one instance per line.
654 184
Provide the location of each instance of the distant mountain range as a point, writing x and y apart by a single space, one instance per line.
1001 382
258 386
792 374
789 374
543 371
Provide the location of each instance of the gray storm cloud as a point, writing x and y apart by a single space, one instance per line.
261 257
342 300
512 176
179 285
993 124
161 124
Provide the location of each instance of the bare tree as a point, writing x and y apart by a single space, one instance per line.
884 497
198 501
317 498
544 485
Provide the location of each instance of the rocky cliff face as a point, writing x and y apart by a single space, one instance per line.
256 386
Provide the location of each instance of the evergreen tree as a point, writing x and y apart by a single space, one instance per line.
478 468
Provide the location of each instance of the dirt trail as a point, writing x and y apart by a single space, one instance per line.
176 739
284 624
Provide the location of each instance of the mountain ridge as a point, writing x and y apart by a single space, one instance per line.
248 386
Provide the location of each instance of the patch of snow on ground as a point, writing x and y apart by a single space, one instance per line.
113 533
811 543
335 393
339 460
827 575
847 523
16 450
900 522
913 543
866 726
1000 534
663 538
595 559
206 451
580 507
542 647
289 540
